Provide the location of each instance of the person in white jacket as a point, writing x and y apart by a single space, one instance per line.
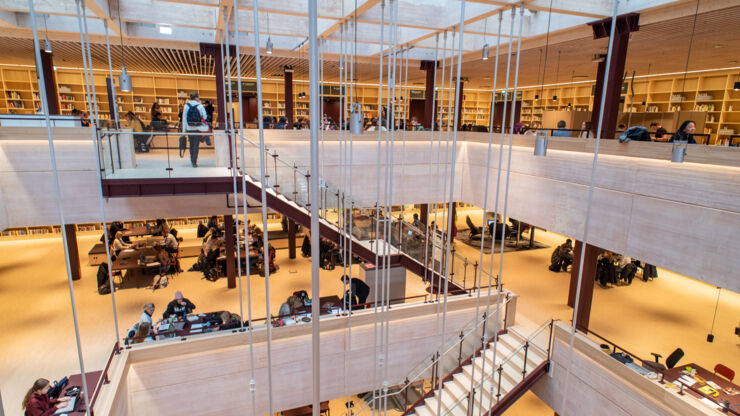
192 122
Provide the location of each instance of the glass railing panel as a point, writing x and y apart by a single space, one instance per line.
163 154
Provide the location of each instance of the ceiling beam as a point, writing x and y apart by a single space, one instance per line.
101 9
590 8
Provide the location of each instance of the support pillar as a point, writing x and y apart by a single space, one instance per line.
587 283
74 252
214 50
47 64
291 238
289 102
614 74
424 214
429 106
460 95
230 251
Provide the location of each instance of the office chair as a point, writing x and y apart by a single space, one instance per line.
670 362
724 371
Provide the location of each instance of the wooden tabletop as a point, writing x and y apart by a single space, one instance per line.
92 379
324 300
673 374
129 259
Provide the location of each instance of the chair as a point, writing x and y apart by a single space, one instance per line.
724 371
474 231
670 362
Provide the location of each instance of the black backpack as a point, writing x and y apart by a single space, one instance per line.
103 281
193 116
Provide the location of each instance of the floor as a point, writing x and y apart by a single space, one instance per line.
39 339
155 164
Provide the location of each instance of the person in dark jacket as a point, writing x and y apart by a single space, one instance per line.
179 306
685 133
37 401
357 288
562 257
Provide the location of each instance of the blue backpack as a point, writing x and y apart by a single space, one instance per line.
193 116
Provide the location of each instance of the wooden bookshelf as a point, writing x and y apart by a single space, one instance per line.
46 231
709 91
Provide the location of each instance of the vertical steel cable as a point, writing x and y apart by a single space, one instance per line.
479 280
57 194
389 198
263 197
436 183
313 109
235 166
114 110
377 205
505 98
429 173
485 203
85 62
86 53
250 328
590 200
450 201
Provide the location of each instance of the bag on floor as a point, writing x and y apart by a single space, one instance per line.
103 281
183 145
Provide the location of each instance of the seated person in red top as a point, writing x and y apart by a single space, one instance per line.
38 403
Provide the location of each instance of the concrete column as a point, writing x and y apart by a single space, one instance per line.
291 239
460 94
74 252
587 283
424 214
429 106
47 63
626 24
214 50
289 100
230 251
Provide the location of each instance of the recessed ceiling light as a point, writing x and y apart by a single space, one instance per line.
165 29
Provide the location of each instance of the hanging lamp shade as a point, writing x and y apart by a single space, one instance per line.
540 143
124 80
268 48
47 45
679 151
485 52
355 119
737 86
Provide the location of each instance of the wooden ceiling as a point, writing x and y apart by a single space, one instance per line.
656 48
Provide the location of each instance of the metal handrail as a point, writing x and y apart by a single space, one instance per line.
437 356
524 346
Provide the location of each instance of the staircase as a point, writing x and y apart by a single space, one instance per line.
505 379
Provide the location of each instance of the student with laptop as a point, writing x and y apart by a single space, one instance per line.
179 306
37 401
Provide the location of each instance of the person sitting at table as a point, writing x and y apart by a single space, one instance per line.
290 306
685 133
160 227
212 222
144 333
119 244
37 401
146 316
179 306
213 238
229 321
170 242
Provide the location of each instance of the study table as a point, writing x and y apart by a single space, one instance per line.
92 379
676 375
129 259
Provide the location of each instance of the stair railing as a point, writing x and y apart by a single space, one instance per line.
469 397
430 367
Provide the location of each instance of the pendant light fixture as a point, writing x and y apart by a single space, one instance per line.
268 47
737 84
710 335
485 44
47 43
124 80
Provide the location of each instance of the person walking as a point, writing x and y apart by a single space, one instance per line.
194 121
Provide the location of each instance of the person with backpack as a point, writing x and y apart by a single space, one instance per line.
194 121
